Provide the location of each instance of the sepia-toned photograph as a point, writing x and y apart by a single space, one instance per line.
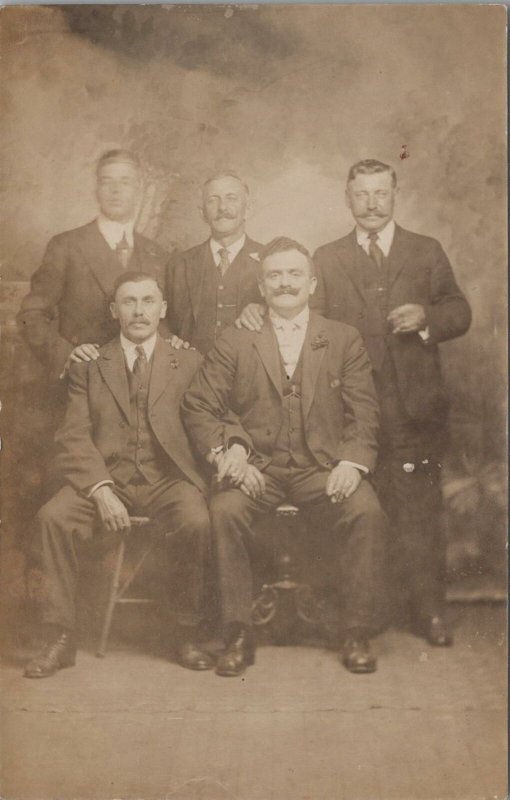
253 402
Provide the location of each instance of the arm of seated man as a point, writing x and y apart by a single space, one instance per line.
111 511
343 480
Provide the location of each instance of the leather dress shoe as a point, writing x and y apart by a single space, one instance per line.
190 655
356 655
56 654
239 653
436 631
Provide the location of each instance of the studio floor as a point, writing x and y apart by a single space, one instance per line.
430 724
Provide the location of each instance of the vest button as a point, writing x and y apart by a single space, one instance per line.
220 305
220 288
218 324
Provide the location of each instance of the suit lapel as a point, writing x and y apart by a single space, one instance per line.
112 365
349 258
312 360
195 270
267 347
398 256
100 259
161 371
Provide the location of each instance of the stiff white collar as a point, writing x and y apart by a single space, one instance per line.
299 322
129 348
384 237
113 231
232 250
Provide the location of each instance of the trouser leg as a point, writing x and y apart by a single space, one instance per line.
60 524
357 529
418 544
182 510
232 514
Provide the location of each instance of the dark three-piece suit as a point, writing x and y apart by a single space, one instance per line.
126 429
409 385
295 430
201 303
77 275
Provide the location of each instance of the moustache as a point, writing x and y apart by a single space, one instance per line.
286 290
373 214
138 320
224 216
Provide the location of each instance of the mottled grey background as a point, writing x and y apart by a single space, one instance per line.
288 96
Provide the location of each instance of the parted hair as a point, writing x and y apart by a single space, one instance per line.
119 155
369 166
133 277
283 244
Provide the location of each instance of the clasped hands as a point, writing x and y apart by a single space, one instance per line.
232 465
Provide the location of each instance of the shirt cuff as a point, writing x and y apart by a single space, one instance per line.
361 467
96 486
424 334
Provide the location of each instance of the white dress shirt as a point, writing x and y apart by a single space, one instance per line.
290 334
384 238
129 349
113 231
232 250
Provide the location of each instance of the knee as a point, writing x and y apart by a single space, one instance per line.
227 507
197 522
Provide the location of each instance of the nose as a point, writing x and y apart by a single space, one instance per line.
139 308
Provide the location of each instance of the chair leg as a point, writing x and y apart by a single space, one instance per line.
101 650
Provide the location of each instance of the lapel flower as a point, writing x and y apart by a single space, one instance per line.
319 341
174 363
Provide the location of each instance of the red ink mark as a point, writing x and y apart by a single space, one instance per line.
404 153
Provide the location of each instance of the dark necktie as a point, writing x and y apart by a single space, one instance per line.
140 364
123 251
375 252
224 261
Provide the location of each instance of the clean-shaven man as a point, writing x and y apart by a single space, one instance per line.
291 413
80 266
123 450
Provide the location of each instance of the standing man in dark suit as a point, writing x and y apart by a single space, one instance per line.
80 266
398 289
122 450
209 285
291 414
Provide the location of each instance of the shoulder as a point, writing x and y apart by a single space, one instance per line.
188 358
417 239
337 332
151 247
332 249
191 254
72 236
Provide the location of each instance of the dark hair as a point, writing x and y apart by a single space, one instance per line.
225 174
113 156
133 277
369 166
282 244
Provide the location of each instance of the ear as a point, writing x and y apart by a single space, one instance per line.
313 285
113 310
162 313
261 288
347 198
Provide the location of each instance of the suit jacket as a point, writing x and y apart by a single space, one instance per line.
185 280
96 426
77 275
419 272
238 394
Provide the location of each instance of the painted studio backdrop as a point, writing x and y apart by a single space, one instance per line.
288 97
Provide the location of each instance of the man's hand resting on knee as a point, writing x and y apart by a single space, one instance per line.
112 511
343 480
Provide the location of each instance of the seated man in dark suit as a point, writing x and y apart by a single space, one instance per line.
122 450
291 414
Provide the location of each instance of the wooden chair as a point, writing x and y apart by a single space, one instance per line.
119 586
